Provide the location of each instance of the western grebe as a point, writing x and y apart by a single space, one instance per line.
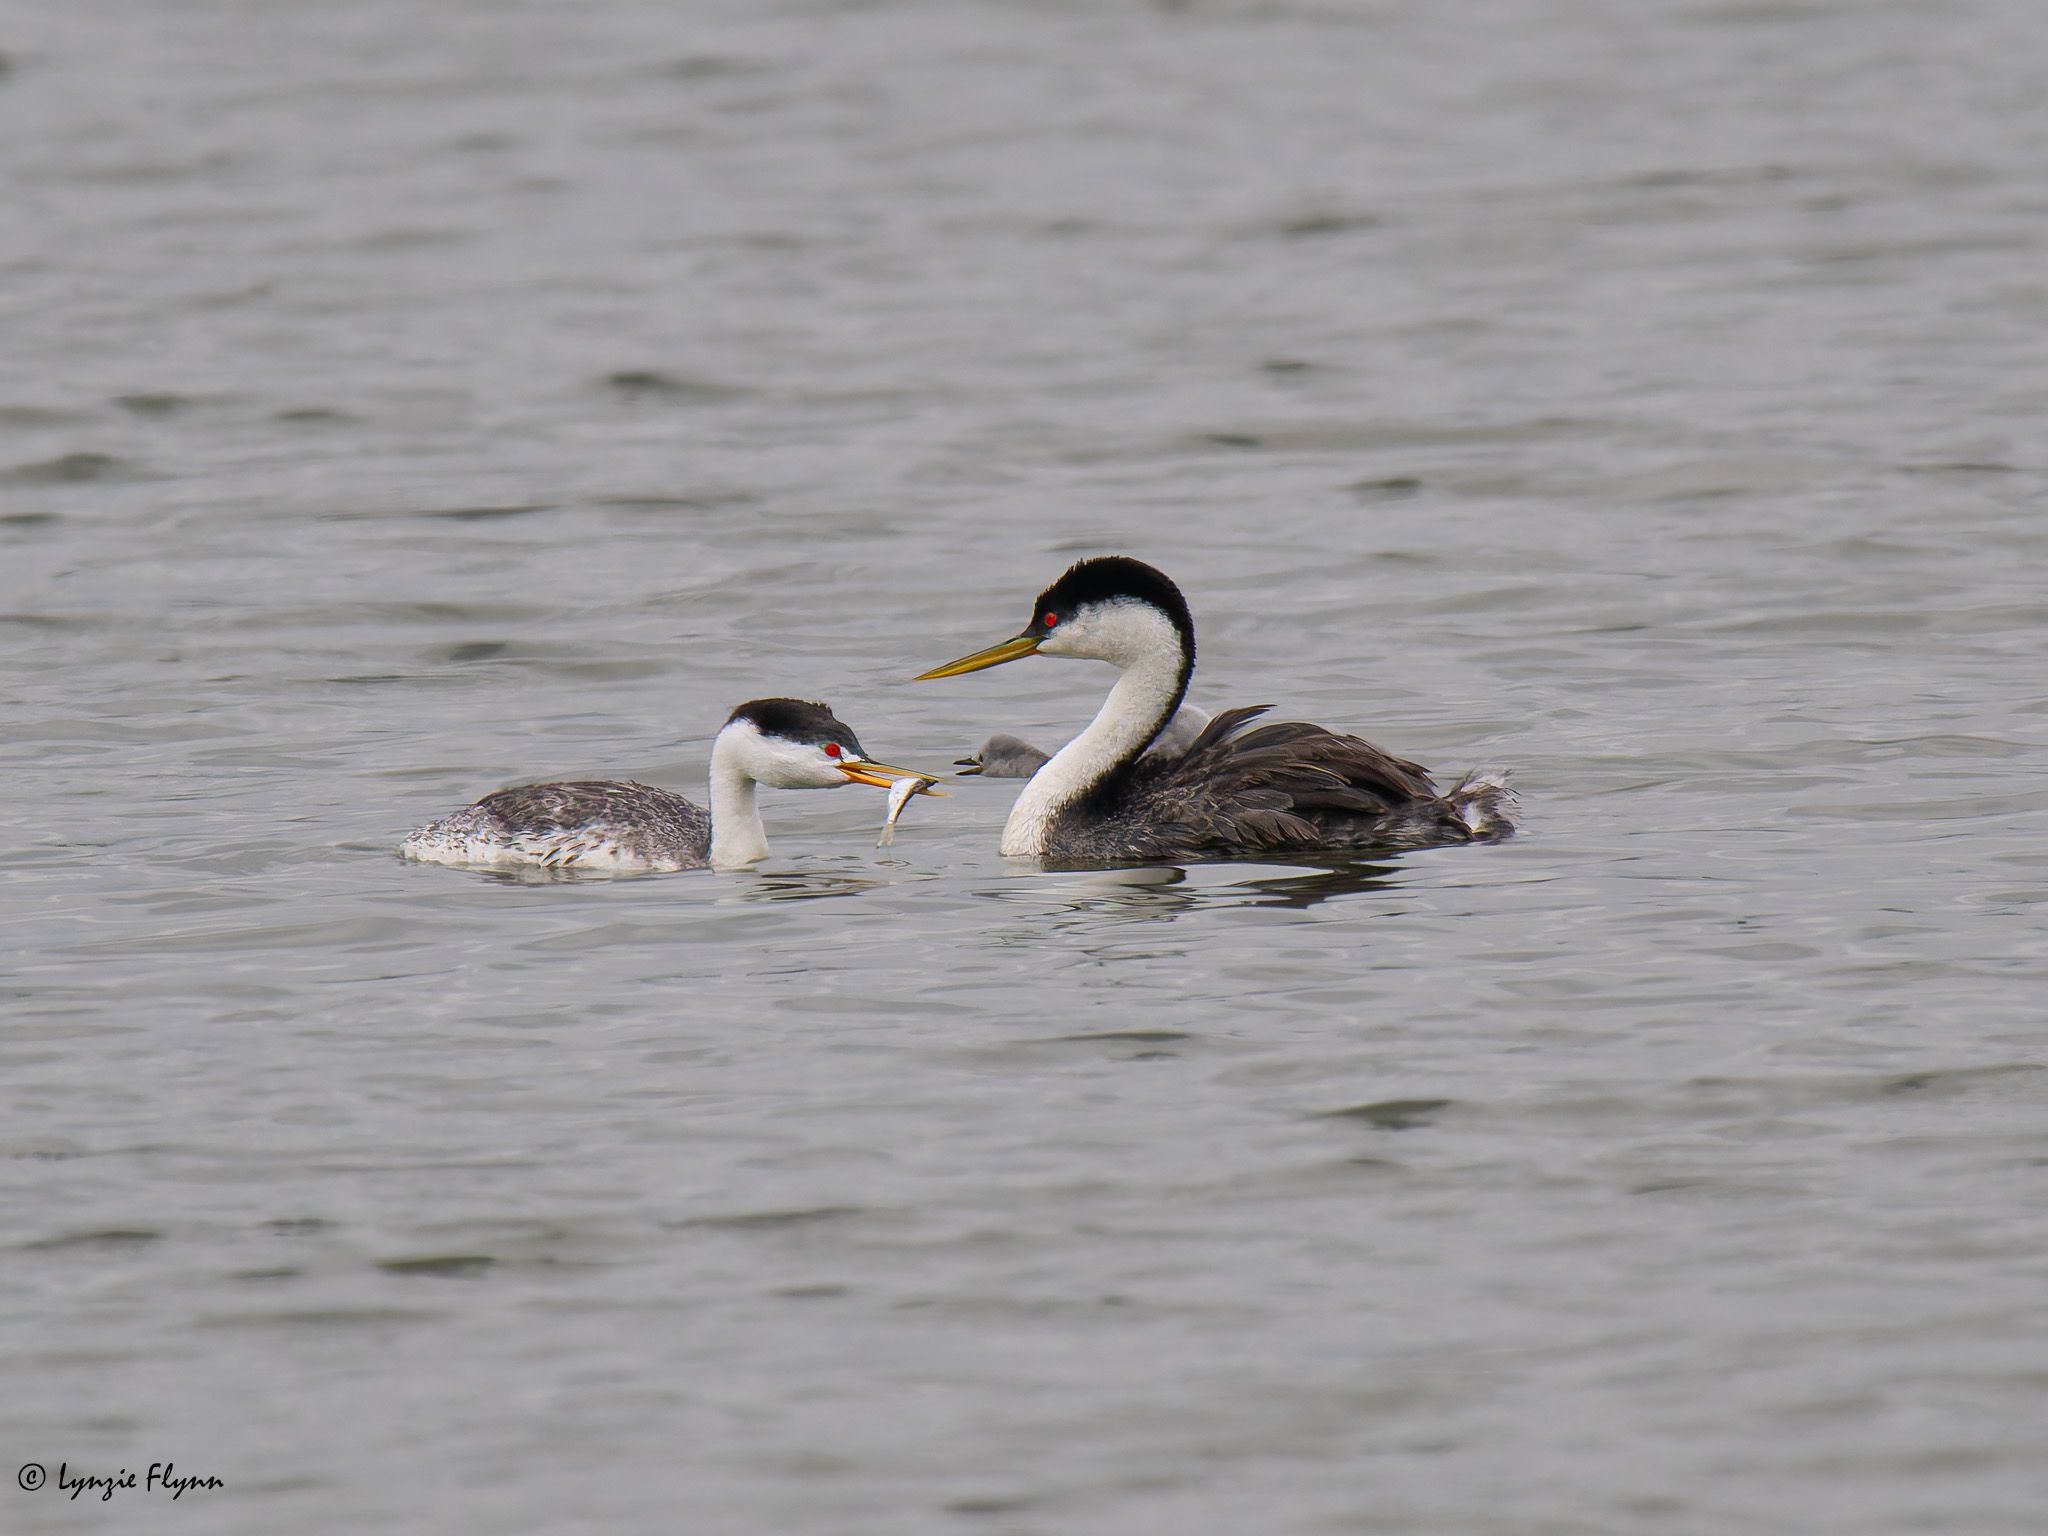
608 824
1009 757
1280 788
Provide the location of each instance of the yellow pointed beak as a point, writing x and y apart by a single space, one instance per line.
865 770
994 656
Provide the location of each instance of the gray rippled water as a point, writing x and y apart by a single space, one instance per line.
399 400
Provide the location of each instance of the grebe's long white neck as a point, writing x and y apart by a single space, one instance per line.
1156 662
737 836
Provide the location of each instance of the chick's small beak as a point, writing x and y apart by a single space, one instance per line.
864 770
994 656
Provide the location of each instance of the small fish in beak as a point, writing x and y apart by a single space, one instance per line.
900 795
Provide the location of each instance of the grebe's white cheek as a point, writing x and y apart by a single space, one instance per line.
782 764
1058 641
1123 633
811 768
1077 634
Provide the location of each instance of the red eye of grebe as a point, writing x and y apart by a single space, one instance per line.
1051 619
831 749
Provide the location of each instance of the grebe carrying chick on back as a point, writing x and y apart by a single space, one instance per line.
1007 757
621 827
1285 788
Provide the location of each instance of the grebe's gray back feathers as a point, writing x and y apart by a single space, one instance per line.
613 822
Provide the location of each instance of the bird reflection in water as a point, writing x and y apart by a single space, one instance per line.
805 885
1164 891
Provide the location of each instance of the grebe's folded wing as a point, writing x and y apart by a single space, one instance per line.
1288 785
580 802
600 820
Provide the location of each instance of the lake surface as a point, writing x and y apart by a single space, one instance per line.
399 400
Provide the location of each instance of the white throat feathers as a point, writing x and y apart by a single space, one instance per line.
737 836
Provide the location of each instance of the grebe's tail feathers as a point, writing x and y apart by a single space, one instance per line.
1485 803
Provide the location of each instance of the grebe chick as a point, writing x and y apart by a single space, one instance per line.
1002 757
613 825
1285 788
1007 757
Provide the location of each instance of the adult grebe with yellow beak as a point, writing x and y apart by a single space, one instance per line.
1283 789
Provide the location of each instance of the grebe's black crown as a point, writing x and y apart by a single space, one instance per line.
1108 579
799 720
